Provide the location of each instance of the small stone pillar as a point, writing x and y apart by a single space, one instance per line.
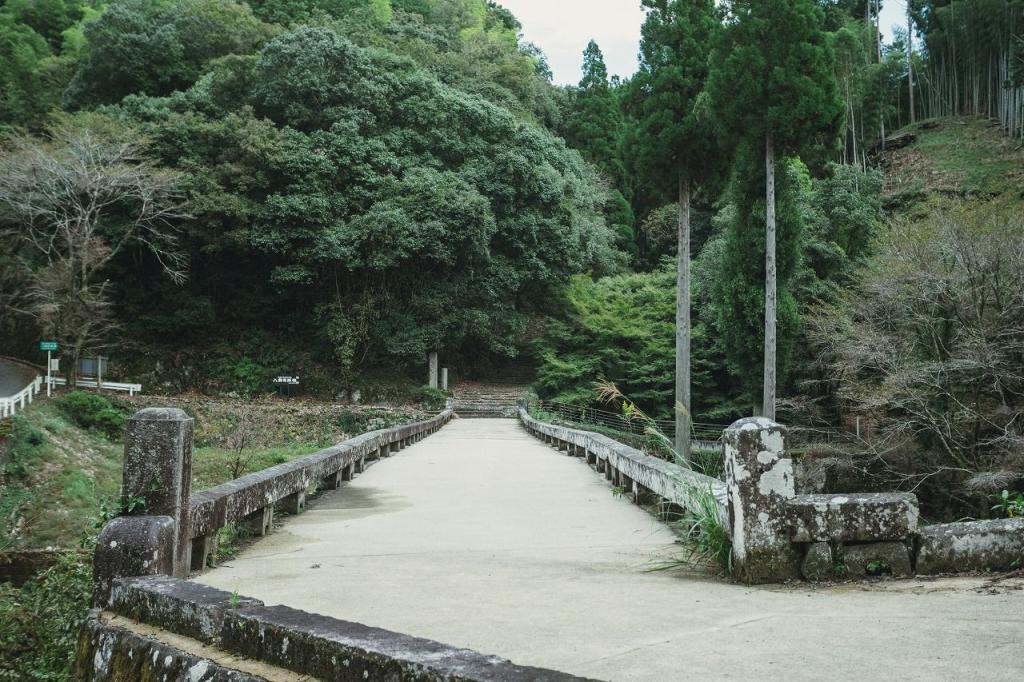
332 481
261 521
759 479
157 478
432 378
444 378
293 504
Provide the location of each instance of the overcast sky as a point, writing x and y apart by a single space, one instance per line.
562 29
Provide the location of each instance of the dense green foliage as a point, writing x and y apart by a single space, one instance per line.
40 44
594 125
159 47
376 181
621 328
437 201
772 88
42 621
771 73
93 411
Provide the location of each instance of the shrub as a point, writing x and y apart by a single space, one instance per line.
41 621
926 349
432 399
92 411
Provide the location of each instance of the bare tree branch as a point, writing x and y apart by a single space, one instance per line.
69 205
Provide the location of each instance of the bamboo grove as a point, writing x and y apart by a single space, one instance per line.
975 60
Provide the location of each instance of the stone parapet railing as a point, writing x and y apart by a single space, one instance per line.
148 622
163 628
253 497
778 535
629 468
169 531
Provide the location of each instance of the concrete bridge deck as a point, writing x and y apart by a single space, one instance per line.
480 536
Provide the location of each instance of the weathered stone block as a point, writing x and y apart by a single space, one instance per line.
131 546
180 606
759 480
996 545
875 559
818 564
108 653
331 481
854 517
331 649
809 476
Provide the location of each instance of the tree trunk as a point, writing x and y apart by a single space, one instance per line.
768 404
72 371
910 63
682 407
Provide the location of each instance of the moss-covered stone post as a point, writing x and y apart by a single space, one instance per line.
759 478
158 473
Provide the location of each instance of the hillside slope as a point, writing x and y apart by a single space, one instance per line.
953 158
923 350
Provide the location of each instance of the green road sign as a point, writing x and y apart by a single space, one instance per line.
47 345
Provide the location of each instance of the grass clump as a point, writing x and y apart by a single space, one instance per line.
705 531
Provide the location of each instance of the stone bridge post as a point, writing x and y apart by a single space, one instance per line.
152 534
759 479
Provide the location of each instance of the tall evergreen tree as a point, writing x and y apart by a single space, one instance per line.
595 128
773 86
676 147
596 123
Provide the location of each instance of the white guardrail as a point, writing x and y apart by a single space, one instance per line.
131 389
9 405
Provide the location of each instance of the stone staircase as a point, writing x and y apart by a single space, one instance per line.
479 399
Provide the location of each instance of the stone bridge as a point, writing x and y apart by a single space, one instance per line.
524 541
